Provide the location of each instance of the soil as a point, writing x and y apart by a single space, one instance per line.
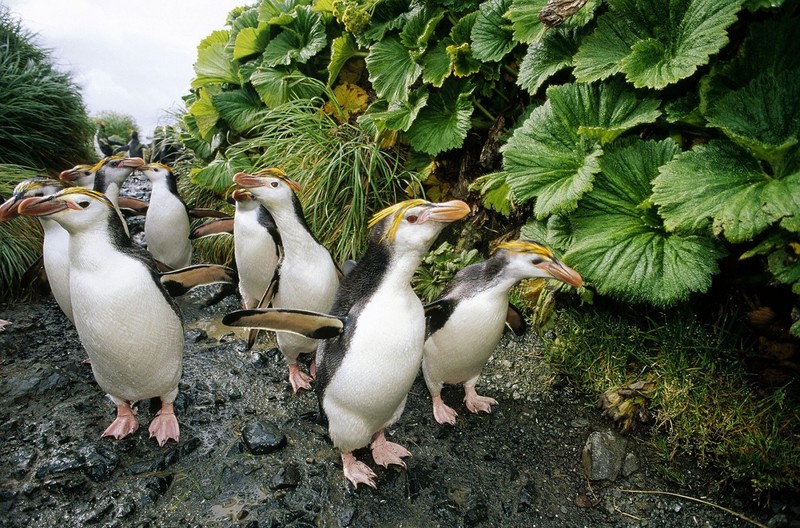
519 466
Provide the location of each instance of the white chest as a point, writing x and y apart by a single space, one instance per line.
166 229
256 255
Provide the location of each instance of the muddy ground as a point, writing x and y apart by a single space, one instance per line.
519 466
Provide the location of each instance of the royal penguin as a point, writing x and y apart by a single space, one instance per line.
55 249
107 177
464 326
372 340
307 276
126 320
166 226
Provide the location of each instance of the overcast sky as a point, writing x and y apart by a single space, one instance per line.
134 57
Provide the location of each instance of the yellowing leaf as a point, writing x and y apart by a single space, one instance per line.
351 100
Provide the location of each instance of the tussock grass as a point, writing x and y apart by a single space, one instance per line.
704 402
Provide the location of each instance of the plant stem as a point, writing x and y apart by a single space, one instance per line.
701 501
484 111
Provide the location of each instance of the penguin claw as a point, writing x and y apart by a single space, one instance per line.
299 379
126 423
357 472
476 403
442 413
386 453
165 426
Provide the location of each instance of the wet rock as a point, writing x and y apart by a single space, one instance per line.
477 513
603 455
345 516
99 461
261 438
286 477
125 507
21 461
528 494
63 460
195 335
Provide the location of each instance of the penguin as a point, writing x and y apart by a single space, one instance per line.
307 276
464 326
371 343
166 226
113 171
258 250
55 249
127 322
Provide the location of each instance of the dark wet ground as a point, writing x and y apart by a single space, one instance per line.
520 466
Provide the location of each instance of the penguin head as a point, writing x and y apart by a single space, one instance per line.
30 188
75 208
80 175
526 259
115 169
156 172
413 225
244 200
271 186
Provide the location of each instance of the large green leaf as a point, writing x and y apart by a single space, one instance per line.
655 42
204 112
215 65
557 231
723 183
545 57
241 109
553 156
771 47
546 159
491 36
342 50
276 86
621 245
436 65
444 122
460 51
217 176
763 116
400 114
524 17
251 41
392 69
422 22
299 41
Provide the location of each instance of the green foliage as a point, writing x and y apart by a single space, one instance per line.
439 267
43 121
118 126
20 239
703 402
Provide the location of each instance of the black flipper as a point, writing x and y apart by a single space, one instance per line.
204 212
515 320
180 282
133 206
302 322
436 315
263 303
214 227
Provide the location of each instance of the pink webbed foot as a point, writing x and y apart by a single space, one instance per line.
165 426
476 403
125 423
357 472
385 452
442 413
299 379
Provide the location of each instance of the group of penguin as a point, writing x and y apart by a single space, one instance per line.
369 331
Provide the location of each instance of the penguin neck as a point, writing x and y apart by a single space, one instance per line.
402 266
292 226
94 245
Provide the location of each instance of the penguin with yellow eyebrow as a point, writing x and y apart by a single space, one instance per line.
307 277
126 320
464 326
107 177
371 342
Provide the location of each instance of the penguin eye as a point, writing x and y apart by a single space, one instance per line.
412 219
114 163
274 184
83 204
536 259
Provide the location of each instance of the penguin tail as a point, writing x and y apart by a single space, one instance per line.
302 322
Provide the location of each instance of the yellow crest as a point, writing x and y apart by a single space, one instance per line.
161 166
100 197
398 209
275 172
38 182
97 166
525 246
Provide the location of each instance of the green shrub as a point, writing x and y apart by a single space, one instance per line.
118 126
43 122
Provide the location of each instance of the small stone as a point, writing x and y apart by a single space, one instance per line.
602 455
286 477
100 461
195 335
20 462
630 465
234 394
458 495
528 495
261 438
345 516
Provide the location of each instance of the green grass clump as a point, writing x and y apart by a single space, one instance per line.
43 121
704 402
20 239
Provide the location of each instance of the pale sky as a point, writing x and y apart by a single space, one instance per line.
134 57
